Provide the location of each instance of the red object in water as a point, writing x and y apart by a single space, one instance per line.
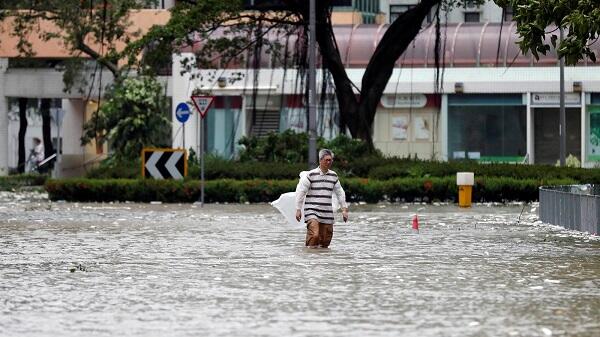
415 223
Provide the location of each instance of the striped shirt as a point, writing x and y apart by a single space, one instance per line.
315 190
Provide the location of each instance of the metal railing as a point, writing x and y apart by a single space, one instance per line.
575 207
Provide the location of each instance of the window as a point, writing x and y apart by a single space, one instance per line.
397 10
472 16
487 132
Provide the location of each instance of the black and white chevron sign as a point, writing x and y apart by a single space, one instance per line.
164 163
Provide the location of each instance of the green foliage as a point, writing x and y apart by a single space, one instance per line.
372 167
395 167
199 19
14 182
579 19
216 167
145 190
286 147
83 25
292 147
349 150
116 168
135 115
499 189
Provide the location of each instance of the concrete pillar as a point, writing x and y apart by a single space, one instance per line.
3 120
530 130
444 127
73 155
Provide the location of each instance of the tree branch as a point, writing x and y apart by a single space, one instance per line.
392 45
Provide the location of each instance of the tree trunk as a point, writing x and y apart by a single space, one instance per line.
46 130
358 113
22 131
394 42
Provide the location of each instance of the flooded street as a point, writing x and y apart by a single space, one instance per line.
125 269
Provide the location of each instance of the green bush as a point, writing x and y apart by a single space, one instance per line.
395 167
409 189
372 166
146 190
113 168
287 147
21 180
291 147
219 168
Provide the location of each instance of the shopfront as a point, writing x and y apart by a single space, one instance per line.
546 118
224 125
593 129
487 127
407 125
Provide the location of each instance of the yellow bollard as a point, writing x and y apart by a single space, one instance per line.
465 181
464 196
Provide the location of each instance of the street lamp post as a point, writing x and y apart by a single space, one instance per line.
312 123
563 118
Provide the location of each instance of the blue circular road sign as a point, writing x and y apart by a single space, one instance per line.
182 112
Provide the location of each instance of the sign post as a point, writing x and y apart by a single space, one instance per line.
182 112
57 115
202 104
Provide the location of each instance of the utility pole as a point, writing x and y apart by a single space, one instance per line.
312 97
563 118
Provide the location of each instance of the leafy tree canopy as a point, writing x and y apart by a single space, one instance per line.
134 115
580 20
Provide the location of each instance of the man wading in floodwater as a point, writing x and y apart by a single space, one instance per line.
318 187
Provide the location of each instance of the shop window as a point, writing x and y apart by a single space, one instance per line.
487 133
472 16
594 133
397 10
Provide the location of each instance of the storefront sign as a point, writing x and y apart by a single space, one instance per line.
404 101
553 99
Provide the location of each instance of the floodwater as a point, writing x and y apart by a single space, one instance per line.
70 269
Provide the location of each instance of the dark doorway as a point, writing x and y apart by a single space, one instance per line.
547 138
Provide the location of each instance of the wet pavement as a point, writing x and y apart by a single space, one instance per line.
128 269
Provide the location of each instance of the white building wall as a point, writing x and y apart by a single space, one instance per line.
489 11
3 120
73 155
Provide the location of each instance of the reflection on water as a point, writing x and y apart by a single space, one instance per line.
239 270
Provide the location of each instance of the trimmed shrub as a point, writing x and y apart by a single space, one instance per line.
22 180
498 189
146 190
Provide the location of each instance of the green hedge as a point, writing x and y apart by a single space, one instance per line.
225 190
372 167
395 167
146 190
21 180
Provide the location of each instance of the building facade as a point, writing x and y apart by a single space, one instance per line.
495 104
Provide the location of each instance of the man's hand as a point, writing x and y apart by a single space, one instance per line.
345 214
298 215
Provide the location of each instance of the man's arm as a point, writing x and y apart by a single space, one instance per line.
341 195
301 191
